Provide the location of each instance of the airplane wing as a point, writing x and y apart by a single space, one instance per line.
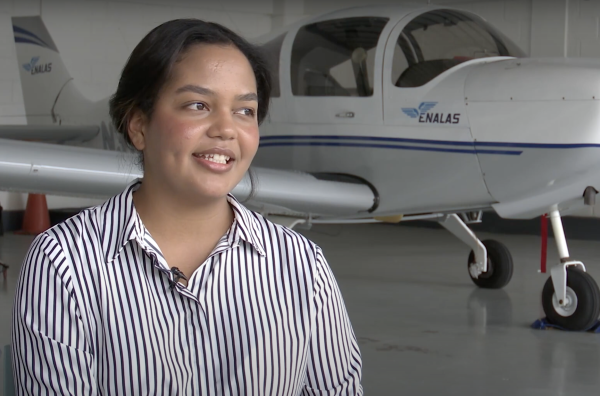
75 171
49 133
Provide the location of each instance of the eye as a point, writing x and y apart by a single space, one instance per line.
197 106
247 112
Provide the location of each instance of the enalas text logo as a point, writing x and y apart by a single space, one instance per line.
423 115
34 68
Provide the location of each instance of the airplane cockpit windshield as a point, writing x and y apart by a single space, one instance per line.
438 40
336 57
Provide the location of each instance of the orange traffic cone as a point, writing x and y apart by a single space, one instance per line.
37 218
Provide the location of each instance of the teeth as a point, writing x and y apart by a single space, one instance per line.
218 158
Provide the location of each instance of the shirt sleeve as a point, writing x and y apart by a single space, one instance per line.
334 362
49 347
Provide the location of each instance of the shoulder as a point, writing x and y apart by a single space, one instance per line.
66 243
278 237
104 224
98 228
281 230
77 227
270 237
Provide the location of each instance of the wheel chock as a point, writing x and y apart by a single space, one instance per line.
543 324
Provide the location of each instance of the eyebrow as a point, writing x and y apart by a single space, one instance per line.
248 97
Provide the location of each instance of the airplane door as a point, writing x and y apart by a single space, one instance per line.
425 110
333 78
330 82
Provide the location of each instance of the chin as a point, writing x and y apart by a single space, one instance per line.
212 186
212 192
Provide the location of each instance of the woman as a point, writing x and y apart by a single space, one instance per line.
173 287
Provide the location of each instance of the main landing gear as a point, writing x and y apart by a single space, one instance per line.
490 263
571 298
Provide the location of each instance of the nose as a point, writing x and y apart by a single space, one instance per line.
222 126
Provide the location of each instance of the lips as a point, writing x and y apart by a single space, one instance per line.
218 160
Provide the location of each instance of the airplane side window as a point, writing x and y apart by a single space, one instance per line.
272 51
336 57
438 40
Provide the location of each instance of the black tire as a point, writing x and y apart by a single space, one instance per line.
587 307
500 266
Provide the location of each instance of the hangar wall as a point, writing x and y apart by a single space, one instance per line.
96 36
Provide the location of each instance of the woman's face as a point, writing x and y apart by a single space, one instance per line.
203 132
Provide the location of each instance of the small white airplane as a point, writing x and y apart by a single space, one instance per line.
378 114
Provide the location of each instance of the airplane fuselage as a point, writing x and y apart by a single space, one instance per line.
472 149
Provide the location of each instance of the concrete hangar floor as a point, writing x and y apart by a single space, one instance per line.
423 327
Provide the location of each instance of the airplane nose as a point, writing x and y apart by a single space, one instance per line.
530 79
539 122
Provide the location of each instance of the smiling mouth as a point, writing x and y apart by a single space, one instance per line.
216 158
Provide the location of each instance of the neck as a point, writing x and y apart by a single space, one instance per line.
167 216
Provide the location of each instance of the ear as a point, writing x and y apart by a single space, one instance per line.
136 128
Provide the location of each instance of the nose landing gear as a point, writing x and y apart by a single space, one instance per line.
499 266
490 262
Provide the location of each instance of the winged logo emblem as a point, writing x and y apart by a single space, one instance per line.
423 108
29 66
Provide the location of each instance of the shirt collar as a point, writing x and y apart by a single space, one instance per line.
121 223
247 224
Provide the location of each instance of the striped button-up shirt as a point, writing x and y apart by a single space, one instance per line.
98 312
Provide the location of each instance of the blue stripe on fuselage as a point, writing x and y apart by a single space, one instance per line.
365 138
379 142
539 145
389 146
410 144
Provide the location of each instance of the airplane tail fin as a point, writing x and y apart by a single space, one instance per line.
44 77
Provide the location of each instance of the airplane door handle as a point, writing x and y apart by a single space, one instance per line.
345 114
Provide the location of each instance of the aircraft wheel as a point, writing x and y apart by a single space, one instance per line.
582 307
500 266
